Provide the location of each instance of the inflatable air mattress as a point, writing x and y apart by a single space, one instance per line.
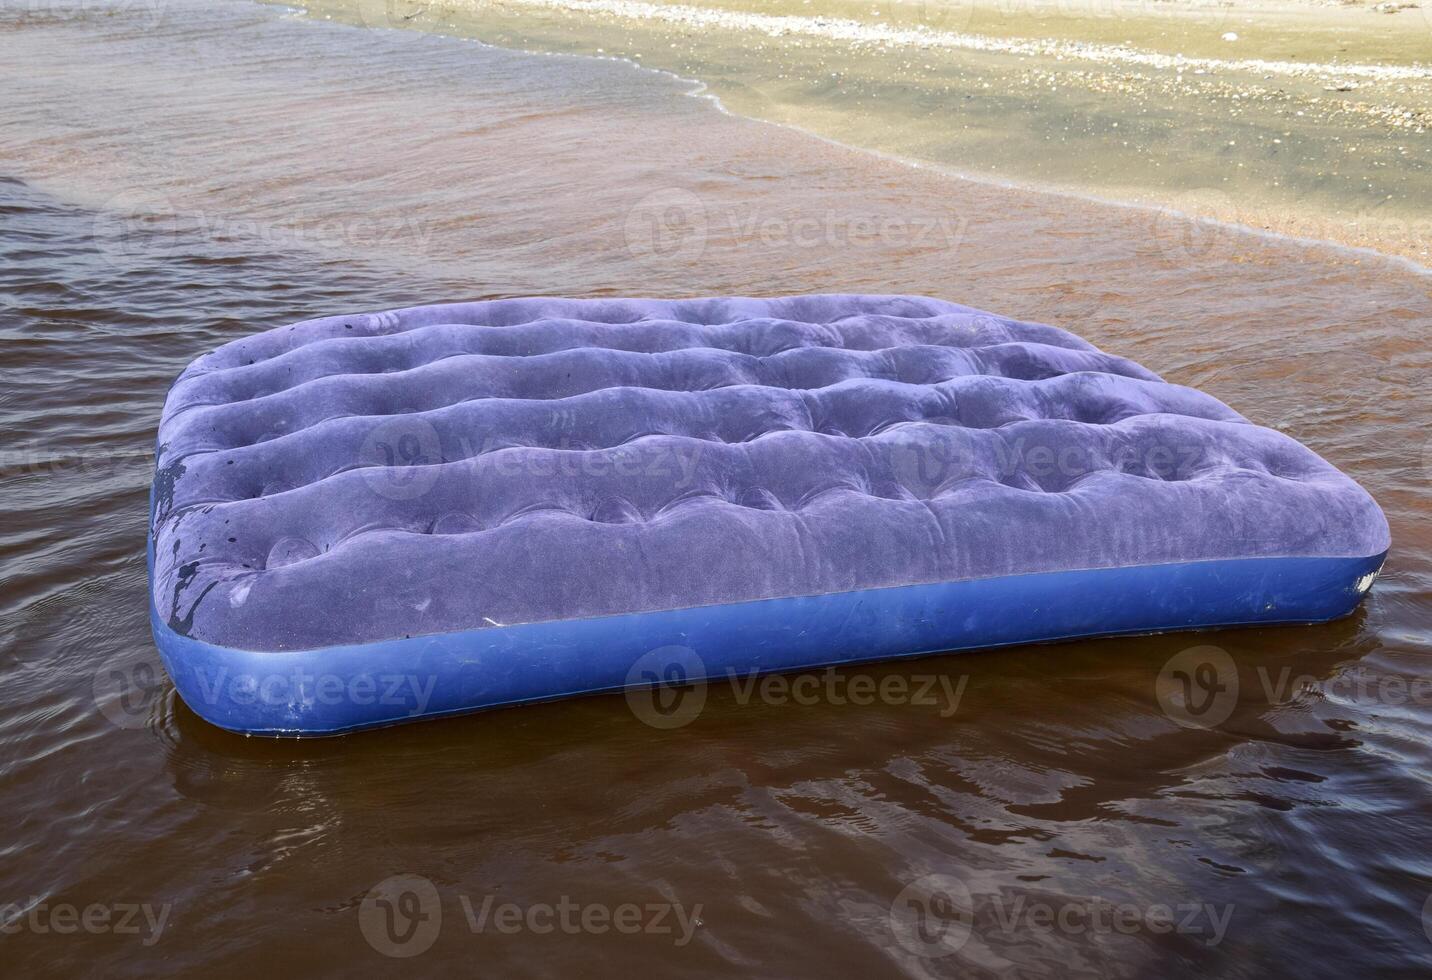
360 520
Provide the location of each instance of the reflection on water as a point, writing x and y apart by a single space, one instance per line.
259 167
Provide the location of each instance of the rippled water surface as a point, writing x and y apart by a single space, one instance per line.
181 175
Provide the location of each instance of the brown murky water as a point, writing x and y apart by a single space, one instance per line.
181 175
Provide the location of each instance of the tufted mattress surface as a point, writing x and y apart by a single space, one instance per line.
355 479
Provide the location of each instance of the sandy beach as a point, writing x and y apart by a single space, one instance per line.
1307 120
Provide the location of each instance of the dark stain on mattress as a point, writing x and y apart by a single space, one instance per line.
165 479
185 625
184 577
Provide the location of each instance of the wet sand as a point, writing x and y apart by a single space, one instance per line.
1305 120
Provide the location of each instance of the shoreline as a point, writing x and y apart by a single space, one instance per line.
1330 109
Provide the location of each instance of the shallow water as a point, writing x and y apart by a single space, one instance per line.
1309 121
178 182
